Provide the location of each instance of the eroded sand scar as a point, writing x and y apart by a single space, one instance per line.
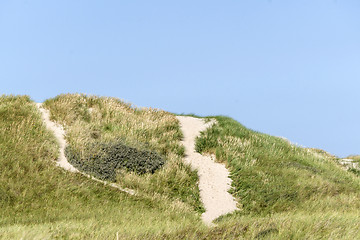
214 181
59 134
62 160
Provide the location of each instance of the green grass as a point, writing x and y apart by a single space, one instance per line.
272 177
42 201
284 191
279 226
89 119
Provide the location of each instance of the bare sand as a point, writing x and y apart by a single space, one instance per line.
62 161
59 134
349 163
214 181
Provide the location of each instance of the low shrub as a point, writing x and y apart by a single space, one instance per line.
105 159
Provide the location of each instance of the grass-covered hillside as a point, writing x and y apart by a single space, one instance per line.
284 191
285 184
41 201
96 127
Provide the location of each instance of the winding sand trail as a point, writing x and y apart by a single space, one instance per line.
62 161
214 181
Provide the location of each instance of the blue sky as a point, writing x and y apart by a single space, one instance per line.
287 68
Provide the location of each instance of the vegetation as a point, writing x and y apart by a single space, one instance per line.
354 167
282 183
41 201
285 192
94 121
112 157
356 158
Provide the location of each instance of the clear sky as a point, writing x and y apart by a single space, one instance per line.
287 68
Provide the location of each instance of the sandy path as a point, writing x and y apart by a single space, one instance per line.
62 161
59 134
214 181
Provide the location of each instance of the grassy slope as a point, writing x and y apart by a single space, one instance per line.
39 200
293 190
109 119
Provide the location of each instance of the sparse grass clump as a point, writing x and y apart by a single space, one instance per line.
97 121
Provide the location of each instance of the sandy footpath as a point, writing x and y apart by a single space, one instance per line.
214 181
62 161
59 134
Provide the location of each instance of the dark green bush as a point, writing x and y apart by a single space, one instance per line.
104 159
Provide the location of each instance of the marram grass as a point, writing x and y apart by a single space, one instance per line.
42 201
284 192
89 119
